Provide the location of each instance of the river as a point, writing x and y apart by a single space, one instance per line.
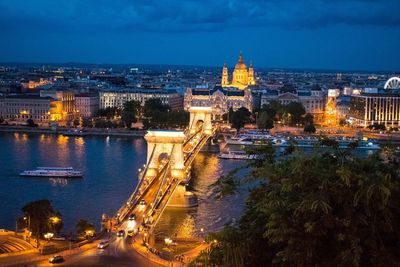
110 166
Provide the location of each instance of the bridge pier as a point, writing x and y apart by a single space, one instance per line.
182 198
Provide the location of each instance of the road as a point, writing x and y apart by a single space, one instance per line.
118 253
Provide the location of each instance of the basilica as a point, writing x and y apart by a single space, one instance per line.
241 77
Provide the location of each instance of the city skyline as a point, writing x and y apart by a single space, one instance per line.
349 35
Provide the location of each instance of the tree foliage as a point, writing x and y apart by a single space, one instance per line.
325 208
131 111
83 228
158 115
38 214
239 118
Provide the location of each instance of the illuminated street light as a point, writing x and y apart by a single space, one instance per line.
48 236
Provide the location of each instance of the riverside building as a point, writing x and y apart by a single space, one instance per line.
220 99
375 106
118 98
20 108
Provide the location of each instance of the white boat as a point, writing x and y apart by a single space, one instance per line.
236 155
67 172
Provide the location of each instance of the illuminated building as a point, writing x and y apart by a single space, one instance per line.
376 106
20 108
118 98
33 84
219 99
241 77
330 115
67 99
87 104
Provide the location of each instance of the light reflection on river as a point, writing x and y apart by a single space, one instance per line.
110 167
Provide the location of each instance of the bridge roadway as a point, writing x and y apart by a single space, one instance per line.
157 191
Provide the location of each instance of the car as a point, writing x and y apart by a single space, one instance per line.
56 259
131 232
103 244
132 217
142 202
121 233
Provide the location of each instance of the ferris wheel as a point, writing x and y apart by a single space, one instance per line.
393 83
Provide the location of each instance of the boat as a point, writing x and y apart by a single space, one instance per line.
242 155
75 132
67 172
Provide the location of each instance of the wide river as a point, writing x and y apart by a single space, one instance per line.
110 166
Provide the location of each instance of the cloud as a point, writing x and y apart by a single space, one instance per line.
192 15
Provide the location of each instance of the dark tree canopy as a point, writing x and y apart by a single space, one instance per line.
325 208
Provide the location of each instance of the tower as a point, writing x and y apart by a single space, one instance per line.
224 80
240 74
252 80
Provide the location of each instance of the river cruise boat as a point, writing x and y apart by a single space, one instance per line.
241 155
53 172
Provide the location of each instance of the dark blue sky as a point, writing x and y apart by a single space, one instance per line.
331 34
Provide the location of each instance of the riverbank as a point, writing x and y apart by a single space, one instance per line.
69 131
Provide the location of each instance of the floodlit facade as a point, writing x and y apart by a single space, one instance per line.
20 108
118 98
376 107
87 105
219 99
241 77
67 99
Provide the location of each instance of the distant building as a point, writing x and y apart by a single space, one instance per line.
35 84
241 77
220 99
118 98
20 108
67 99
376 106
313 100
87 105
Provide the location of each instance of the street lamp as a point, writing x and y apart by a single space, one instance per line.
48 236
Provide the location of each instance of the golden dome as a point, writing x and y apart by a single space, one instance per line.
240 64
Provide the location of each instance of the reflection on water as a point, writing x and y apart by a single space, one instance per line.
110 174
211 214
58 181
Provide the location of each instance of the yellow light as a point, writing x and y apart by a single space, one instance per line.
55 219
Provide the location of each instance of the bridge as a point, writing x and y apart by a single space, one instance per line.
162 181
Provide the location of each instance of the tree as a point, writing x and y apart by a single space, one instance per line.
295 111
110 112
87 123
310 128
154 106
76 122
309 123
31 123
274 109
240 117
85 229
264 121
1 119
130 112
325 208
38 214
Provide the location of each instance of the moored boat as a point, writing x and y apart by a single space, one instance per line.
67 172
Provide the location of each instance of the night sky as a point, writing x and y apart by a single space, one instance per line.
321 34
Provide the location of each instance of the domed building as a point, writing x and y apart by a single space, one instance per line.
241 77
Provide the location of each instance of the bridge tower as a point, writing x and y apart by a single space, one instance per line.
164 145
200 117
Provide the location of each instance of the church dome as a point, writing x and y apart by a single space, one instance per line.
240 65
